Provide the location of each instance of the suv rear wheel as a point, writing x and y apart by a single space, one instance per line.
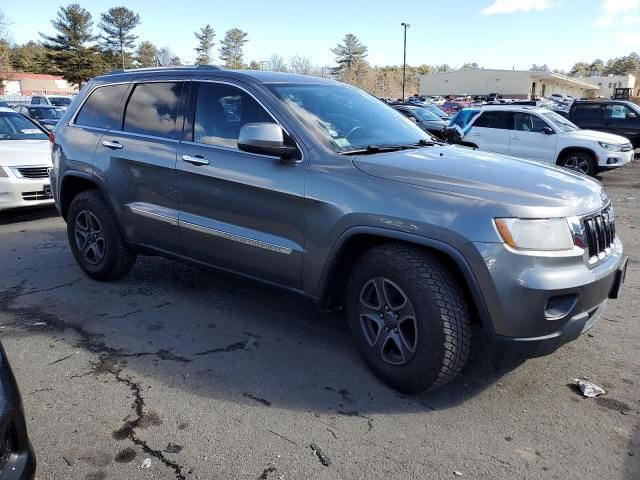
581 162
408 317
95 240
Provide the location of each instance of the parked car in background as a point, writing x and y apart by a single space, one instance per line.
17 459
612 116
317 187
438 111
452 108
25 160
60 101
539 134
4 104
424 118
43 114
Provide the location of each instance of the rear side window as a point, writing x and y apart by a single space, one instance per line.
499 120
102 108
586 111
153 109
617 111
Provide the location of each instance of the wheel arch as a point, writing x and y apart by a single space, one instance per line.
73 183
357 240
586 150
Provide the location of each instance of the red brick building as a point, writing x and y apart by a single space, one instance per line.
23 83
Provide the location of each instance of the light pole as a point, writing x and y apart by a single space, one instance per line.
404 62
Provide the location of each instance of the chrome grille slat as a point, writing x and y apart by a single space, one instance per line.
33 172
599 233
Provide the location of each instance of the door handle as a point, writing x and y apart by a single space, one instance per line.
112 144
195 159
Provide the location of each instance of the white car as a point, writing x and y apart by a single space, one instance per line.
539 134
58 101
25 160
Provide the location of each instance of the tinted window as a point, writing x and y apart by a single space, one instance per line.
525 122
153 109
588 111
493 120
35 100
45 113
60 101
101 109
221 110
616 111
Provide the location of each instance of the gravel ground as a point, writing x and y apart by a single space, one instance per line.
211 376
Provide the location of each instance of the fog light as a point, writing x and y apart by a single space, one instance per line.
611 161
560 306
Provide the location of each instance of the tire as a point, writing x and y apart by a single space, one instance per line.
440 331
95 240
578 161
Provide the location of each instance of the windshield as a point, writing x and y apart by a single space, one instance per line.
560 122
347 119
424 114
45 113
14 126
60 101
436 110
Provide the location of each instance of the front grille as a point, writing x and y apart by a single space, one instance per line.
627 147
41 195
599 233
33 172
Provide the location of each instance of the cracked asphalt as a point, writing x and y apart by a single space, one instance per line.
214 377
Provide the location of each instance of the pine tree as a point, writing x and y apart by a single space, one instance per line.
348 52
146 55
117 24
31 57
72 49
231 48
205 44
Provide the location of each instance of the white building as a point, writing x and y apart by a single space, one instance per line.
521 84
609 83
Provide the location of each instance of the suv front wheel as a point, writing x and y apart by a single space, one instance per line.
95 240
578 161
408 317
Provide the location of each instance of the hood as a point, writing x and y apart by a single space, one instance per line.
598 136
24 152
527 189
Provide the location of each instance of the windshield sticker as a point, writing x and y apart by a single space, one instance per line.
341 142
30 131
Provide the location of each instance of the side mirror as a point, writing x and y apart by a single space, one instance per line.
265 139
547 130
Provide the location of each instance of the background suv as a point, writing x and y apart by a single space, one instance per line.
542 135
612 116
323 189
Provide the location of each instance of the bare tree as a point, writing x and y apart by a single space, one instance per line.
276 64
301 65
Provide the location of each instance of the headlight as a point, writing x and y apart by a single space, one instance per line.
610 146
3 173
535 234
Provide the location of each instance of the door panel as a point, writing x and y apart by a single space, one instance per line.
490 131
138 165
238 210
527 140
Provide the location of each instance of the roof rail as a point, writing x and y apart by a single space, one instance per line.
168 67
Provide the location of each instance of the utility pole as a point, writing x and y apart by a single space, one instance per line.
404 62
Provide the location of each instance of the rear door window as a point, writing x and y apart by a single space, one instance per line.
496 119
586 111
153 110
102 108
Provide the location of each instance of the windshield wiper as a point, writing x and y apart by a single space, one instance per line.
383 148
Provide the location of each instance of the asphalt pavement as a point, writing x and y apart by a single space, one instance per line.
214 377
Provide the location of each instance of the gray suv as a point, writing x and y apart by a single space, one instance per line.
320 188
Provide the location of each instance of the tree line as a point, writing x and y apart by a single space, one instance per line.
79 51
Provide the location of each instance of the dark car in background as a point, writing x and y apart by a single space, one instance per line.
4 104
612 116
424 118
433 108
17 460
45 115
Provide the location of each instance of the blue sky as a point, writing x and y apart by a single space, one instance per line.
494 33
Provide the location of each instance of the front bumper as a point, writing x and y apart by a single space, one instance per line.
24 192
607 159
537 304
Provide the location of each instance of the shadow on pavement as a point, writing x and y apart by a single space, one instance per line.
221 336
27 214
